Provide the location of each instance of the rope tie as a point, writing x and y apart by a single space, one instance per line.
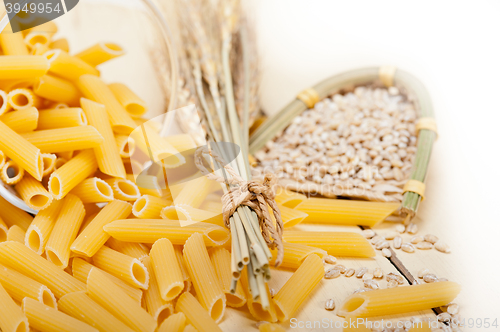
257 196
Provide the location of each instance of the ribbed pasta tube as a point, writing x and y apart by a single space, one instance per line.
126 146
12 318
271 327
64 179
255 306
4 105
124 189
147 184
189 215
295 254
112 298
288 198
39 49
183 192
93 237
23 98
33 193
290 217
166 269
12 215
201 270
12 43
184 271
69 67
49 163
345 212
132 249
196 314
348 244
57 89
47 319
39 230
148 207
127 268
22 66
156 306
60 44
20 258
65 139
100 52
65 230
16 233
221 260
151 230
93 190
22 121
399 300
40 34
107 154
174 323
11 173
293 293
134 105
19 286
61 118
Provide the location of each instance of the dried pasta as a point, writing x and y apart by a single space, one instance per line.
57 89
126 146
60 44
288 198
12 215
100 52
166 269
123 189
132 249
23 98
65 139
174 323
271 327
93 190
12 43
4 105
196 314
188 215
11 173
68 67
22 121
295 254
39 230
12 318
221 260
148 207
3 231
14 67
155 304
33 193
147 184
49 163
290 217
61 118
134 105
16 233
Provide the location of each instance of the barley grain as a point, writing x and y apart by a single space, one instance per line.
442 247
378 273
361 271
416 239
371 284
452 308
382 245
424 245
412 228
332 273
422 272
408 247
397 242
430 278
368 233
329 259
400 228
431 238
386 252
367 276
444 317
330 304
392 284
350 272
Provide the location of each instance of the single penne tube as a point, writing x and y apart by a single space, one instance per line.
123 189
80 306
11 173
149 207
119 304
57 89
15 233
12 318
182 193
65 230
22 66
255 306
49 163
271 327
65 139
295 254
134 105
189 215
12 43
12 215
3 231
126 146
33 193
288 198
68 67
293 293
174 323
203 277
24 153
155 305
22 259
22 121
40 34
60 44
345 244
100 52
147 184
221 261
107 154
182 265
151 230
81 269
61 118
127 268
39 230
68 176
45 318
20 286
345 212
399 300
132 249
290 217
9 85
93 190
4 105
22 98
196 314
166 268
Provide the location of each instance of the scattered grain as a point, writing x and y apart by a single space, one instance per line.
332 273
392 284
430 278
330 304
371 284
390 235
416 239
360 272
368 233
412 228
424 245
272 291
397 242
408 247
452 308
367 276
431 238
400 228
422 272
382 245
378 273
329 259
350 272
376 239
441 246
444 317
341 268
442 279
386 252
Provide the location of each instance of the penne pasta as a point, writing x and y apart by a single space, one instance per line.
156 306
189 215
22 98
57 89
3 231
65 139
290 217
68 67
270 327
201 270
47 319
93 190
69 175
12 318
174 323
19 286
254 305
149 207
293 293
80 306
295 254
399 300
65 230
21 121
93 88
345 212
39 49
49 163
288 198
166 269
151 230
100 52
348 244
182 265
4 104
147 184
113 299
22 259
135 250
12 43
93 237
124 189
190 328
134 105
15 233
14 67
12 215
126 146
11 173
127 268
61 118
60 44
183 193
39 230
196 314
40 34
33 193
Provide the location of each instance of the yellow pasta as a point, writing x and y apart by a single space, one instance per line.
57 89
68 67
81 269
196 314
93 88
93 190
23 98
174 323
290 217
39 49
33 193
100 52
221 260
183 193
49 163
135 250
40 34
151 230
68 176
22 121
270 327
189 215
80 306
19 286
24 153
12 43
201 270
126 146
190 328
295 254
15 233
254 306
65 139
417 327
39 230
293 293
124 189
11 173
127 268
149 207
47 319
156 306
345 212
147 184
65 230
134 105
4 105
61 118
212 206
22 259
182 142
13 67
3 231
113 299
166 269
59 162
288 198
60 44
11 215
399 300
12 318
348 244
182 265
